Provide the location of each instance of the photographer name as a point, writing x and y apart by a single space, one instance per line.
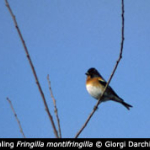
121 145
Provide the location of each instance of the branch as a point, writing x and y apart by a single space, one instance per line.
55 107
21 130
112 74
33 70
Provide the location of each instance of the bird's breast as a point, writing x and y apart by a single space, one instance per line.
94 91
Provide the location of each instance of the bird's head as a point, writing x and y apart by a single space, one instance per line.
92 72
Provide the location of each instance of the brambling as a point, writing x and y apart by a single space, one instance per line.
95 85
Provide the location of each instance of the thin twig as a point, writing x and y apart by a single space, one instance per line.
13 110
55 107
33 70
120 56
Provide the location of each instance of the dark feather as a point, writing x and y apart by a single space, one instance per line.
102 82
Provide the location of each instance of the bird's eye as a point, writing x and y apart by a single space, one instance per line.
92 75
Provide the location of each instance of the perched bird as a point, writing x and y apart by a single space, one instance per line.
95 85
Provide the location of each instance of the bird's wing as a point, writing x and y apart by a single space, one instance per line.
109 89
102 81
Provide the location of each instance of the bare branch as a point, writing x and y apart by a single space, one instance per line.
13 110
55 107
112 74
33 70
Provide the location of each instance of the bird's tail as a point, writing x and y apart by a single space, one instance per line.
120 100
126 105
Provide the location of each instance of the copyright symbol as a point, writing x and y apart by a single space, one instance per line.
98 144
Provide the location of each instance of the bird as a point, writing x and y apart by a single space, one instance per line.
95 85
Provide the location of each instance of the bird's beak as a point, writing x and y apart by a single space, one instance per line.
87 73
